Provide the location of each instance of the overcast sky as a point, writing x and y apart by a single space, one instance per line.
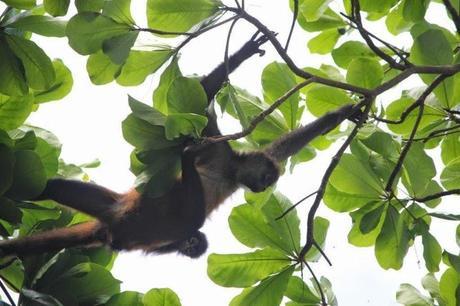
88 123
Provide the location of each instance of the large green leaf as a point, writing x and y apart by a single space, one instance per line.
89 5
244 270
101 69
356 236
14 111
87 31
432 252
449 284
250 227
349 51
322 99
12 80
450 176
119 10
191 124
161 297
179 16
408 295
56 7
450 148
395 21
418 169
365 72
7 160
393 241
61 87
38 67
160 100
433 49
186 95
328 20
277 79
118 48
42 25
313 9
125 298
324 42
300 292
268 292
414 10
29 178
342 202
141 64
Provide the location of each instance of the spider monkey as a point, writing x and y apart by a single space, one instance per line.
172 221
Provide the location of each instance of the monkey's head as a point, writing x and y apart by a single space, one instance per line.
194 246
257 171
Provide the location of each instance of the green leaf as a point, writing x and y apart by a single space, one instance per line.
186 95
313 9
432 188
250 227
324 42
382 143
450 176
125 298
393 241
371 220
448 285
432 252
14 111
418 169
381 6
179 16
365 72
300 292
39 298
395 21
42 25
29 177
161 297
184 124
277 79
12 80
328 20
244 270
353 176
322 99
349 51
87 31
410 296
21 4
118 48
89 5
450 148
101 69
56 7
7 160
433 49
140 64
146 113
268 292
61 87
340 201
38 67
414 10
397 107
160 100
119 10
145 136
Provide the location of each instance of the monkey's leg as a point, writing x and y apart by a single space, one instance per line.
89 198
88 233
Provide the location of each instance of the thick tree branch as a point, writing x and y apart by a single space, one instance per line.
437 195
335 160
453 13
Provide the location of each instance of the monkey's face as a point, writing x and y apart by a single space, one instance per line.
257 172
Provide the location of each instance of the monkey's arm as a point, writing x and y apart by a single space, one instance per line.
88 233
89 198
213 82
294 141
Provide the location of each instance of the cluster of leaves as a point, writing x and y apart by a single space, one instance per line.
267 273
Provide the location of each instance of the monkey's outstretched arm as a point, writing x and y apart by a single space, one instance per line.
84 234
294 141
89 198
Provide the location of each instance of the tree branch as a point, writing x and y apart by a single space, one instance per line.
453 13
437 195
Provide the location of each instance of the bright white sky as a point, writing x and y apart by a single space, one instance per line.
88 123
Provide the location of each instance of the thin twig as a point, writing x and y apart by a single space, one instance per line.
254 122
7 294
294 19
335 160
453 13
437 195
356 11
421 104
320 250
295 205
437 133
227 46
318 284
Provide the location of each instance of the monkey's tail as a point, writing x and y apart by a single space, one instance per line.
90 233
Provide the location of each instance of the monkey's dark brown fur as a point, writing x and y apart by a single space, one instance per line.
171 222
